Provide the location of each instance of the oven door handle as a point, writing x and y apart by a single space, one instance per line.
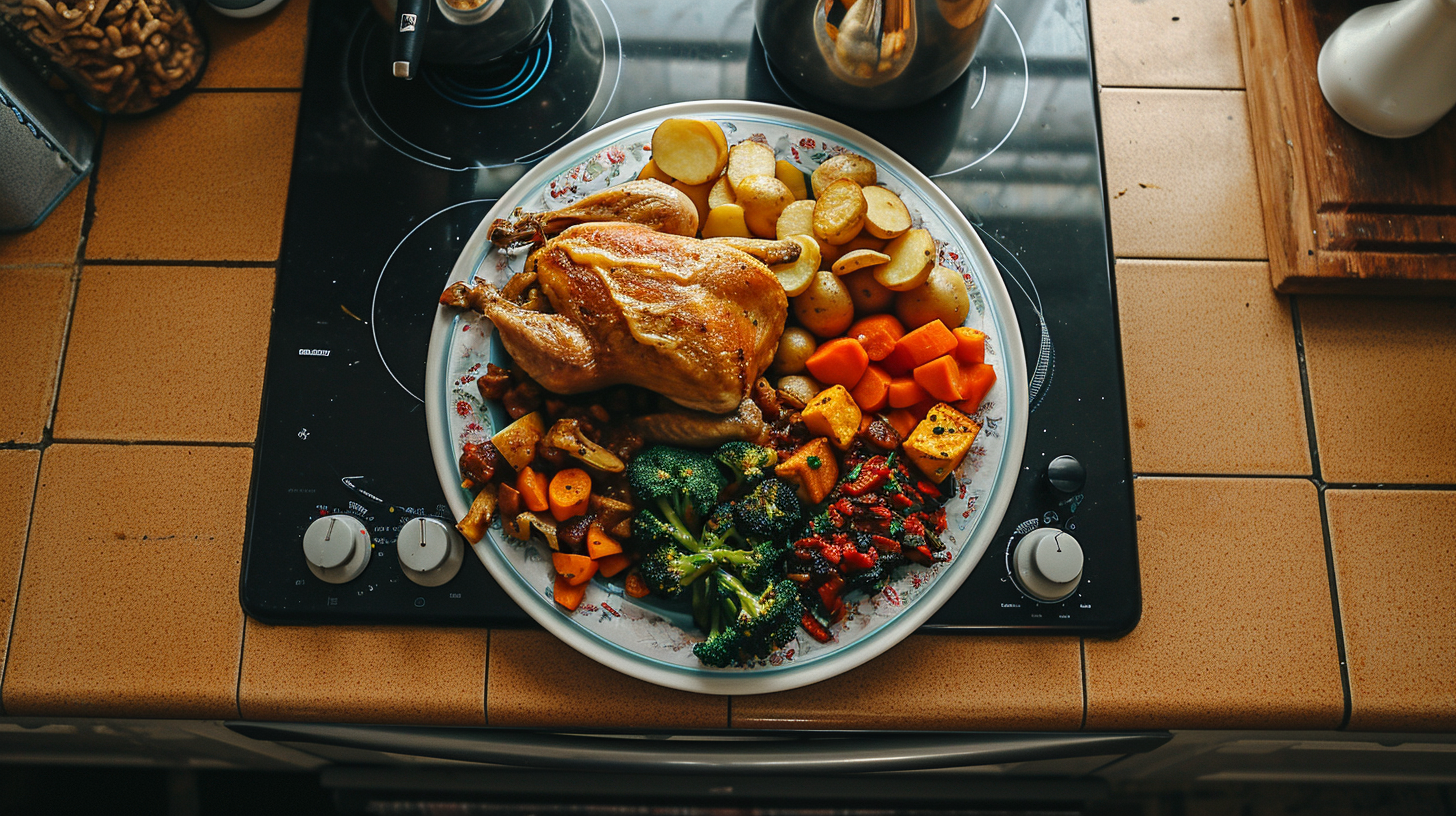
750 753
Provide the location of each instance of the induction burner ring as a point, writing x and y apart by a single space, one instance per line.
473 88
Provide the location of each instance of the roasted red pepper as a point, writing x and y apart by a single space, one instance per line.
815 629
872 474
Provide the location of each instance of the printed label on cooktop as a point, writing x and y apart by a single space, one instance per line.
313 352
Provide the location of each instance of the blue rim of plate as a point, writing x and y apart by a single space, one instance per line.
768 678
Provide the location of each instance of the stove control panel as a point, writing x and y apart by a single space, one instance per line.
429 552
336 548
1047 564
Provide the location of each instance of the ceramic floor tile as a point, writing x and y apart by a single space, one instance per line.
35 303
363 674
1237 628
206 180
1180 175
1396 607
954 682
56 240
1382 380
128 603
259 52
127 375
535 680
1211 370
1166 44
17 488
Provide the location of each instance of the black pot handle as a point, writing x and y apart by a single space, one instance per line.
409 36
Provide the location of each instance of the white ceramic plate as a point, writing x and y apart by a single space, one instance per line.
650 639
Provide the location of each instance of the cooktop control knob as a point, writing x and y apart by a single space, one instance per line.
430 553
1048 564
1066 475
336 548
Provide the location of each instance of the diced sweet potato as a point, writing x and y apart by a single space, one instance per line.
833 413
812 468
941 441
517 441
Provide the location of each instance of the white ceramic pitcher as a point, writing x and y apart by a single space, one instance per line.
1390 70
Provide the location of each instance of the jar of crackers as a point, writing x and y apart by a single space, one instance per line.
123 57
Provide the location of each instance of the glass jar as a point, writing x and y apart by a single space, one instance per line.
124 57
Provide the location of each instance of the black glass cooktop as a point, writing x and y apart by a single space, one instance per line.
391 177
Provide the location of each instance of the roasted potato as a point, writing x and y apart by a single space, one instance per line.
857 169
858 259
725 220
690 150
912 256
800 387
749 159
796 219
650 170
839 212
721 193
866 293
795 346
763 199
942 297
824 308
699 194
793 178
797 276
885 215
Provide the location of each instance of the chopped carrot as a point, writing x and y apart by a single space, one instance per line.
902 421
904 392
940 378
872 392
927 342
976 380
532 485
840 361
576 569
878 334
567 594
569 493
970 345
599 544
609 565
920 409
635 586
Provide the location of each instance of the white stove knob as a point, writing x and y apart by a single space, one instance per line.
336 548
1048 564
430 553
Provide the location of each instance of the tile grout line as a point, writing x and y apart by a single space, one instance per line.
177 443
1320 488
15 596
1215 88
485 682
173 262
238 686
1083 644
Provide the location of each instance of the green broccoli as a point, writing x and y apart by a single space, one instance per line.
670 571
747 464
680 485
771 510
764 622
765 565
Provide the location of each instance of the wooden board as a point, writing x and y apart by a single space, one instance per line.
1344 211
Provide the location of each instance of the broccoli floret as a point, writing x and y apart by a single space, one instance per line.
681 485
764 622
721 531
747 464
766 565
771 510
670 571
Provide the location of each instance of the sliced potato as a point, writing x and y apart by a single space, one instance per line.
839 212
721 194
801 387
912 256
886 215
793 178
796 277
858 259
866 293
796 219
690 150
650 170
699 194
824 308
725 220
942 297
857 169
795 346
763 199
864 241
749 159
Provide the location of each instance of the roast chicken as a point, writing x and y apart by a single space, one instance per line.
696 321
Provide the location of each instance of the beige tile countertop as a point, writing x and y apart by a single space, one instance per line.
1291 453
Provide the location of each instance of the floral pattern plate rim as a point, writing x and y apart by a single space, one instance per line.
648 639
